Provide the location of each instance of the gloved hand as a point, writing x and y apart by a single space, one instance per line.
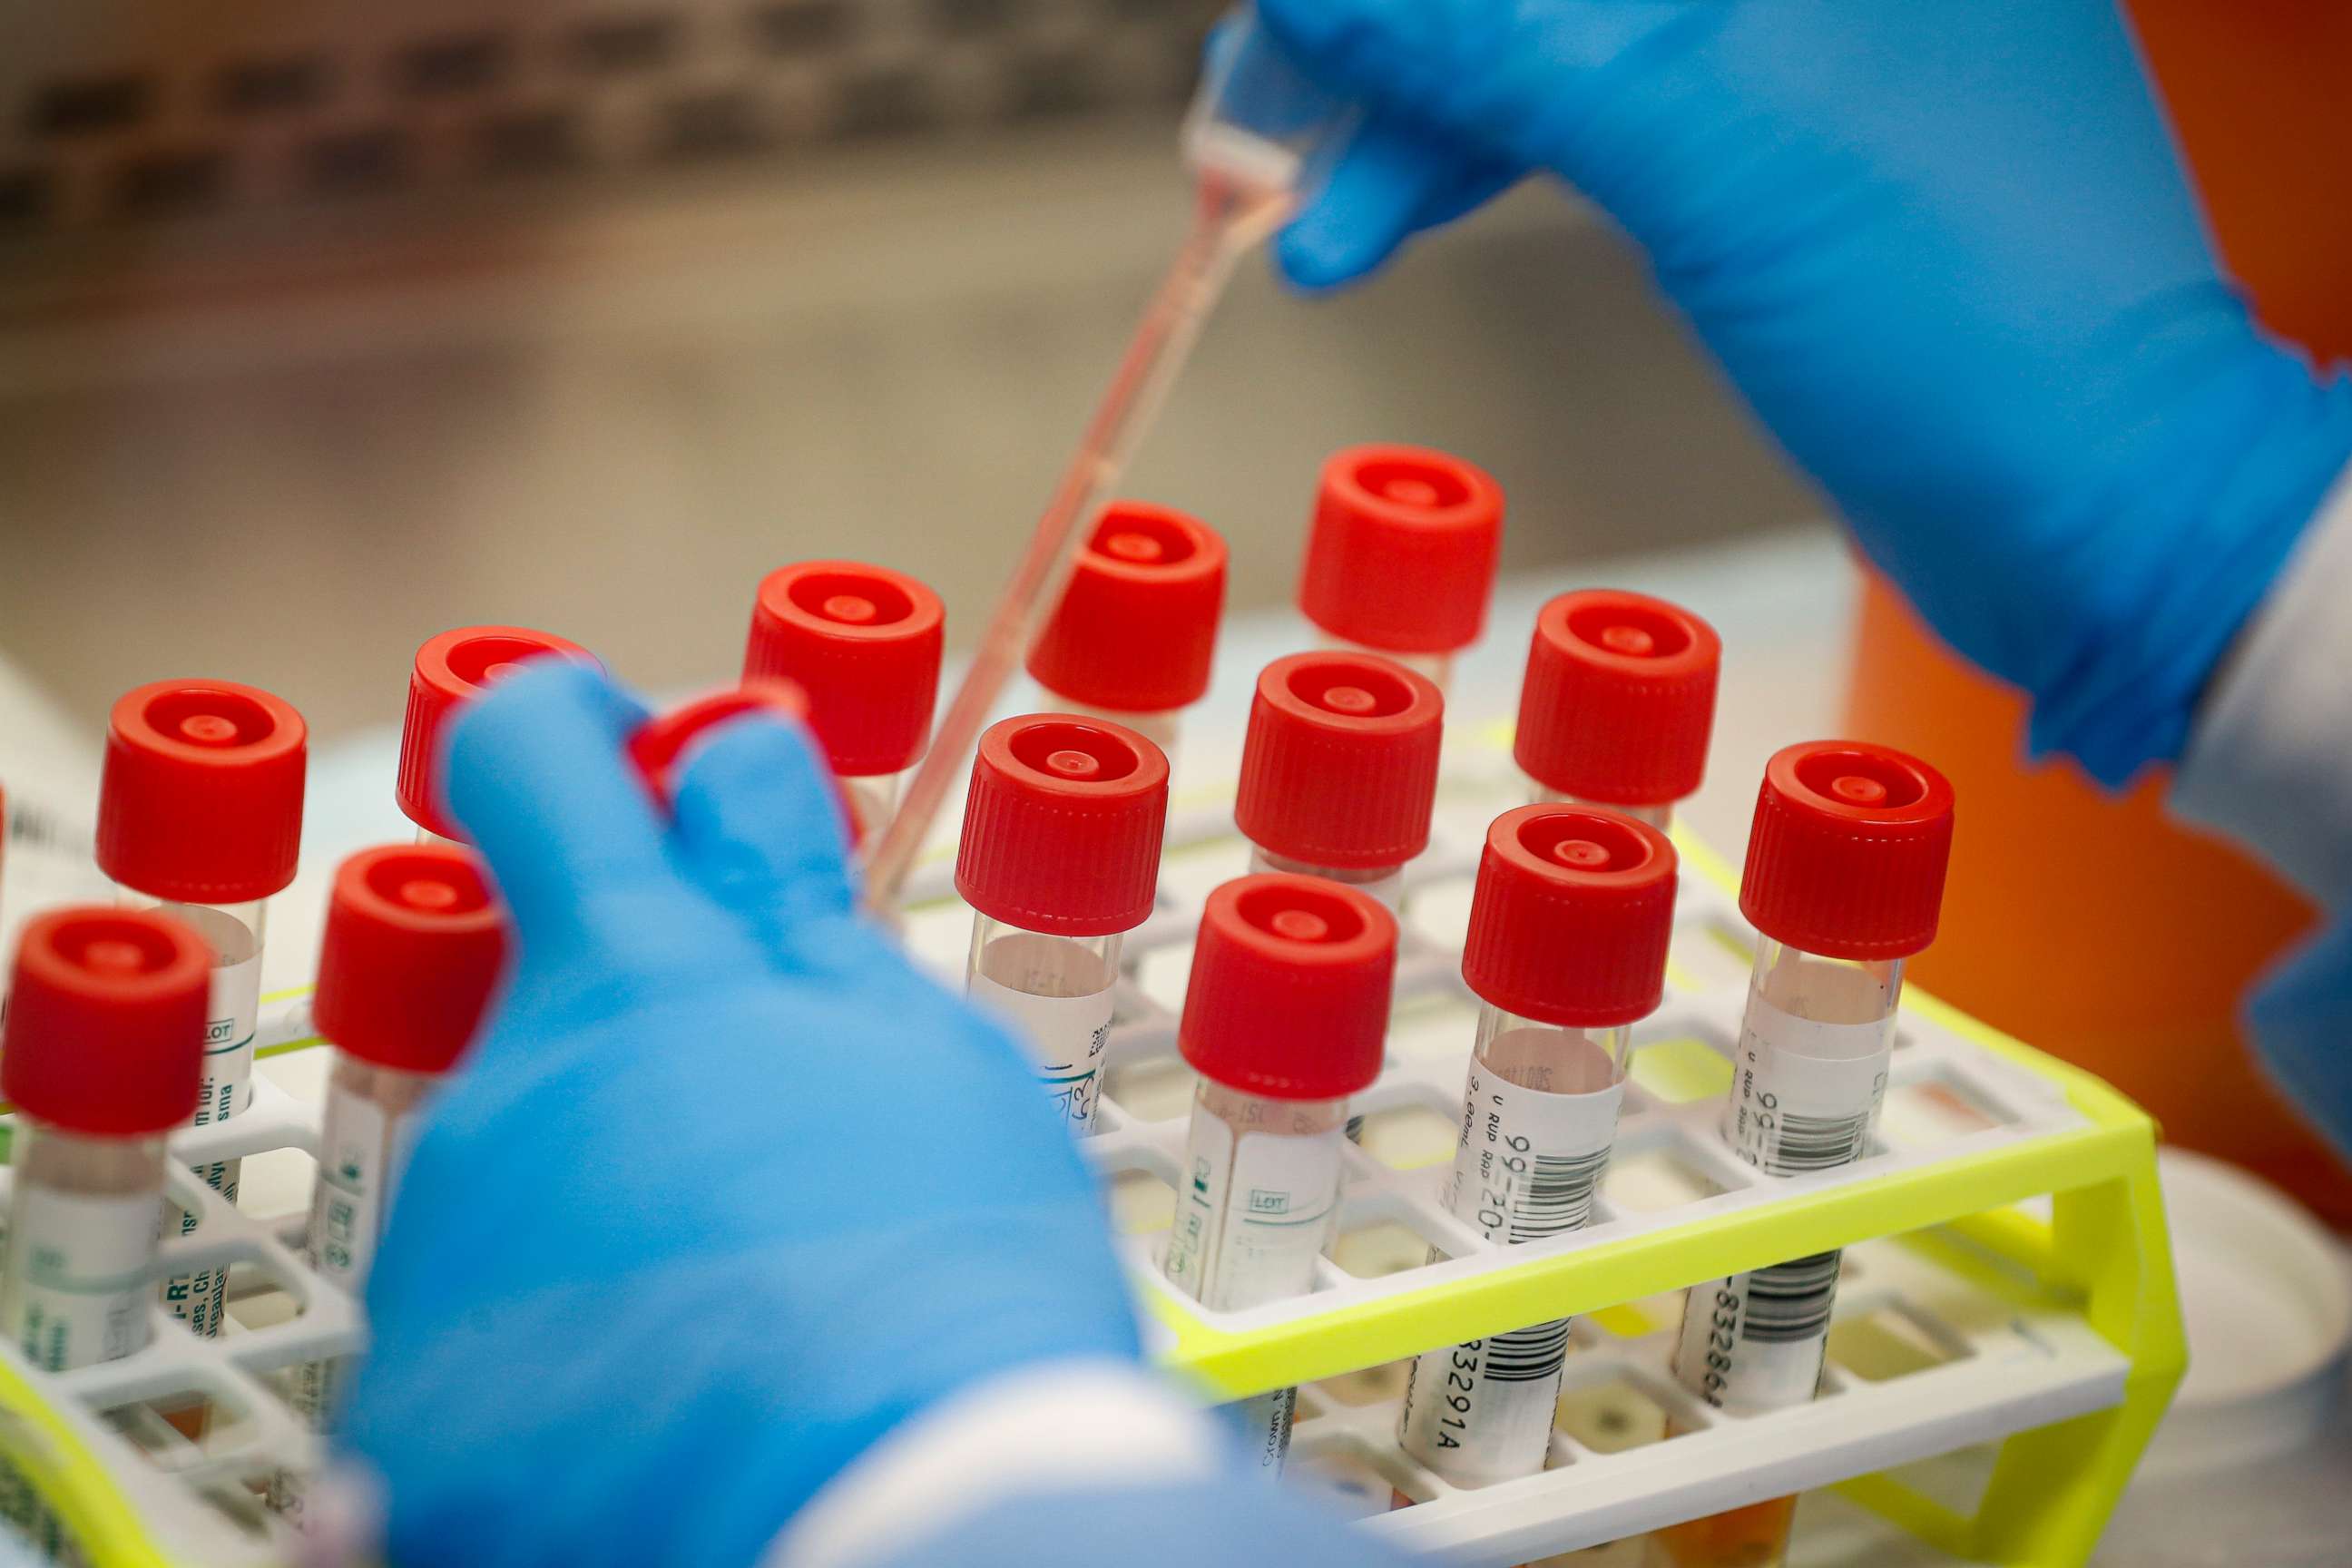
1947 253
726 1191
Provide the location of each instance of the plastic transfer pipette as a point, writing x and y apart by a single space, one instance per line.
1253 138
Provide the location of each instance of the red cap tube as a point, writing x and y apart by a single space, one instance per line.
1137 630
1572 916
414 944
1618 700
1062 828
1847 855
1401 556
201 800
106 1022
864 643
1289 991
660 742
450 671
1340 765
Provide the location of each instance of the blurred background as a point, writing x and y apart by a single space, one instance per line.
325 327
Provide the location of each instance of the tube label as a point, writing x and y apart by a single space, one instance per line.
1264 1424
1065 1036
1756 1342
1804 1095
200 1300
1254 1214
79 1282
1525 1168
362 1152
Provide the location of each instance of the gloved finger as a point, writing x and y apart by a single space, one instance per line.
1393 180
537 775
759 823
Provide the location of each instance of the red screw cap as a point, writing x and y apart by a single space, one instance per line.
1062 828
1137 629
201 800
451 670
414 947
1340 765
106 1022
1570 920
1847 855
1618 700
863 642
1402 554
1289 992
660 742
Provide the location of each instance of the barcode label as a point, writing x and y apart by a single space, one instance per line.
1526 1168
1524 1355
1755 1341
1790 1301
1804 1095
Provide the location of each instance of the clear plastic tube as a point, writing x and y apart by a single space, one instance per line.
370 1123
1059 992
425 835
1660 817
78 1278
871 799
1385 883
235 933
1809 1077
1262 1190
1539 1120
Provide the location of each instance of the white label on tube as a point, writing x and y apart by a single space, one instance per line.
1525 1168
1804 1095
1264 1424
1065 1036
1254 1215
1754 1343
361 1154
78 1279
234 1017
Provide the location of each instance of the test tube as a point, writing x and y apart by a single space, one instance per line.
1136 632
414 944
451 670
1566 951
104 1056
200 815
1339 769
1618 702
1401 557
864 643
1843 883
1059 859
1284 1019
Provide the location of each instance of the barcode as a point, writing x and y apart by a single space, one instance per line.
1789 1302
1803 1143
1559 1194
1526 1356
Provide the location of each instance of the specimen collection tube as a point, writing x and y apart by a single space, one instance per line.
1059 858
1567 950
1284 1019
1618 703
1338 774
864 643
103 1054
413 946
1135 635
1845 880
200 814
450 670
1401 555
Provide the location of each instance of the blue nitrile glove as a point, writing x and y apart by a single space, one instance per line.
1948 254
726 1191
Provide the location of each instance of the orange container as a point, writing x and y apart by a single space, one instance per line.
2092 925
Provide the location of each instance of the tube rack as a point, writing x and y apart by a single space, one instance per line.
2010 1265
